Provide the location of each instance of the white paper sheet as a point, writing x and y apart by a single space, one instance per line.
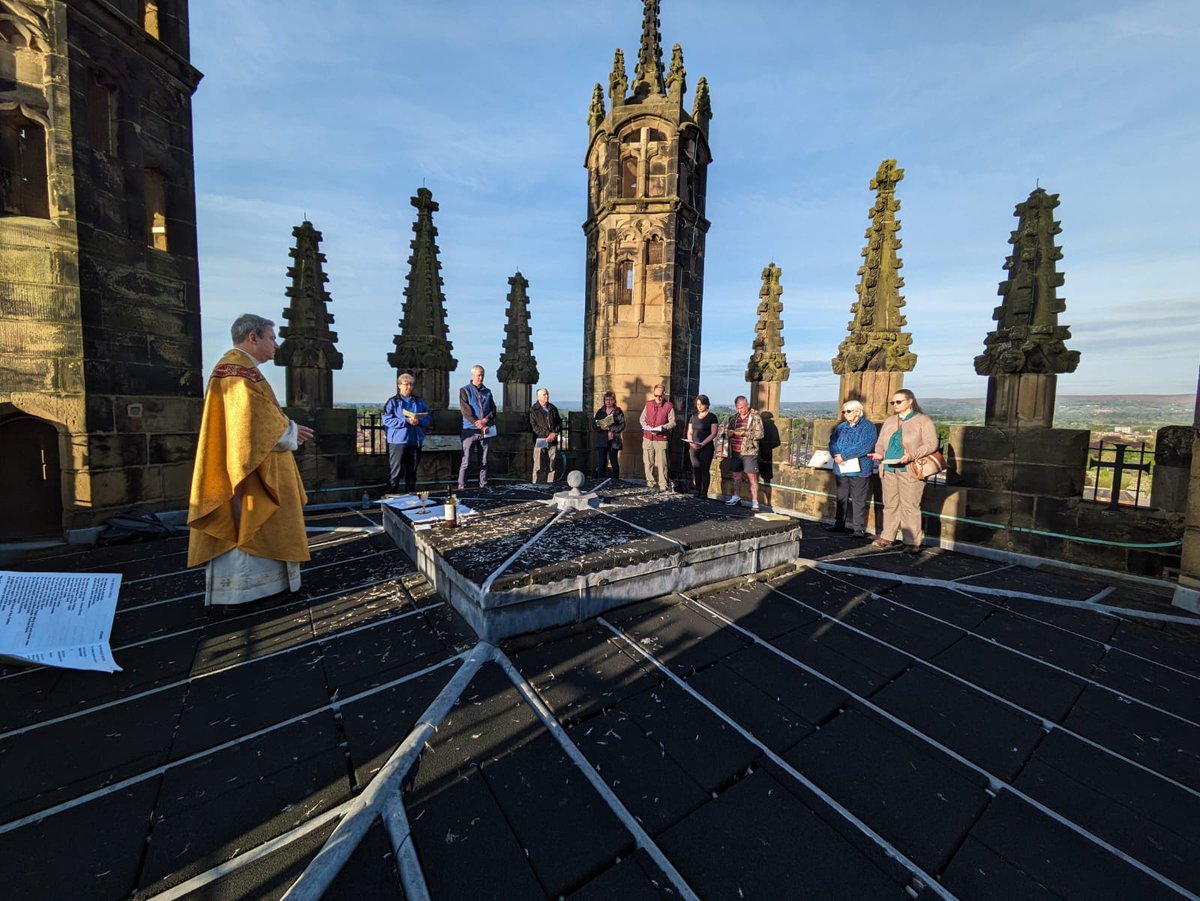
820 460
401 501
848 466
434 514
59 619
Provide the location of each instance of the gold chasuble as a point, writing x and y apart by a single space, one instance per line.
238 462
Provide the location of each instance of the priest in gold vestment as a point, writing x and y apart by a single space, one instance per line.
246 511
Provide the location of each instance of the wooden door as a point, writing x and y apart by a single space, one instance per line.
30 479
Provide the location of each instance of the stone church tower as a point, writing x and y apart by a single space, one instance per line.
647 163
100 372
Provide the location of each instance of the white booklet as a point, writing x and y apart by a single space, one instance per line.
59 619
848 466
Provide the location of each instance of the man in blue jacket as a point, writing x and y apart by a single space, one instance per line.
479 417
405 417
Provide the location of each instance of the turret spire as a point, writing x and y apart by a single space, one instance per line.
308 346
648 76
677 77
1024 354
596 110
422 347
618 81
768 363
874 356
702 105
518 370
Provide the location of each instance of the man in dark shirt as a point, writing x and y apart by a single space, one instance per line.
546 425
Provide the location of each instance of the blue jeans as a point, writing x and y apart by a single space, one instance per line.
471 440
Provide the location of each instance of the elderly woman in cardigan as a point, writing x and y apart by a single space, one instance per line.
850 446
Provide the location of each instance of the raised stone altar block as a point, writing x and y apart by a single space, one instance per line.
521 565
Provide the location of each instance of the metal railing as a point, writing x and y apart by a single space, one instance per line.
1118 473
371 435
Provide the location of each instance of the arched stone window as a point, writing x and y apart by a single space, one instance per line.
624 283
658 176
654 250
23 187
629 176
155 190
633 136
653 134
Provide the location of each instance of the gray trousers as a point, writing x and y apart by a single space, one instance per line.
545 463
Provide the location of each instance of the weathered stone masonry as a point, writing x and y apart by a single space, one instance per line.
99 290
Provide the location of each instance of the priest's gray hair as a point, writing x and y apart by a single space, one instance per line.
248 323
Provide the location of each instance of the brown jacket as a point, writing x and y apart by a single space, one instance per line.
919 437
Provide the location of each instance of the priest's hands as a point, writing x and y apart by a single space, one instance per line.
303 433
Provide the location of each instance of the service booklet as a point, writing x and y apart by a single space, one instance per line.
59 619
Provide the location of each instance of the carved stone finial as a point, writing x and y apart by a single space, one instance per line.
1027 337
596 110
618 82
876 342
768 362
422 347
677 77
648 76
517 363
308 343
28 26
702 105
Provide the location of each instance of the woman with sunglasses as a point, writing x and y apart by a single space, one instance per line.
906 436
850 445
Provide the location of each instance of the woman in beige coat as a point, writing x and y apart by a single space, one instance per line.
906 436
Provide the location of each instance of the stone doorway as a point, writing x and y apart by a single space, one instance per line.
30 479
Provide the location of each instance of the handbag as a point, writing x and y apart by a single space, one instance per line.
722 443
929 465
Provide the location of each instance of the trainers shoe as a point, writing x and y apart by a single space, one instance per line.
732 501
754 505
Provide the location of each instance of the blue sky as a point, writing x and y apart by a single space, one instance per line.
341 109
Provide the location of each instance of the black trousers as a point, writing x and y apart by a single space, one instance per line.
403 460
701 458
606 460
853 495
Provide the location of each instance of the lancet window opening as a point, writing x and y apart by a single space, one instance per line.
23 178
101 113
624 283
156 209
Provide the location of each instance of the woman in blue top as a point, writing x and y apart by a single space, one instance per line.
852 441
404 417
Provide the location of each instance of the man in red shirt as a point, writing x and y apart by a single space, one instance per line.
658 421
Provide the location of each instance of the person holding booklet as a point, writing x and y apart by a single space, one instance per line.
702 429
609 423
478 425
850 446
405 417
546 424
904 437
657 421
